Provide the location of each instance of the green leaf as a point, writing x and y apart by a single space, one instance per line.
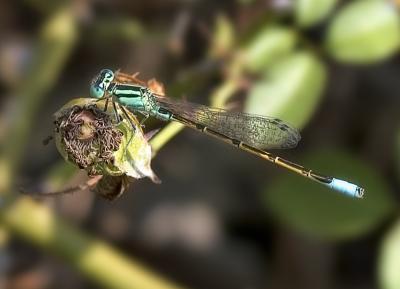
310 12
389 259
291 89
314 209
268 45
364 31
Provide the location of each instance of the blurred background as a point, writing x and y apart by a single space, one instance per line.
221 218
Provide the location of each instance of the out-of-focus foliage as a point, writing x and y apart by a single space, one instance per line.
296 79
364 31
389 261
91 257
246 2
396 151
288 59
266 46
310 12
117 29
315 210
389 258
223 37
56 40
57 175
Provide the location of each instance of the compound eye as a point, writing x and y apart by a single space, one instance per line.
96 92
108 73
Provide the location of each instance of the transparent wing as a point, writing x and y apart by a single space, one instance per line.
258 131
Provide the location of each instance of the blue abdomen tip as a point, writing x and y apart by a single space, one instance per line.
346 188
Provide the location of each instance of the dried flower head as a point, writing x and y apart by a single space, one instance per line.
88 136
92 138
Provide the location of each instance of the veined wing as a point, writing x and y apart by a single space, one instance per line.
255 130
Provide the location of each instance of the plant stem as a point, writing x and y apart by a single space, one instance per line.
57 38
165 135
93 258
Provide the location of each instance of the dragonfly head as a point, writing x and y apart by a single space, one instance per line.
101 83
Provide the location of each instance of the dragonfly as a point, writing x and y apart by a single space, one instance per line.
248 132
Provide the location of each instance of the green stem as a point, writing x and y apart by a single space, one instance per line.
93 258
57 38
223 93
165 135
231 85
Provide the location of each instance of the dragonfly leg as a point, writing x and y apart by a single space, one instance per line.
104 97
121 107
117 117
106 105
145 117
142 121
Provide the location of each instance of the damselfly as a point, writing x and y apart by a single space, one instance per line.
251 133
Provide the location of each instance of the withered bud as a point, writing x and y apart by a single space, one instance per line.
88 136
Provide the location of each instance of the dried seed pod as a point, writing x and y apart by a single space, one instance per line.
93 139
110 187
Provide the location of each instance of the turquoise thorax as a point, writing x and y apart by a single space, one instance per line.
139 98
135 97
